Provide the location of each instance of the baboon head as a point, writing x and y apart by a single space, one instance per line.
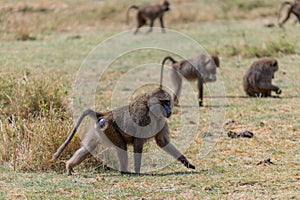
165 5
209 70
160 103
268 67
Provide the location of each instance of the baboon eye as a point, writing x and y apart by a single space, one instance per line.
165 102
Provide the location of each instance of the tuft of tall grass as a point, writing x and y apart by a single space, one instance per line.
34 119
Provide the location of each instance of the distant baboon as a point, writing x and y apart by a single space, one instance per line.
293 8
257 81
150 12
202 68
135 124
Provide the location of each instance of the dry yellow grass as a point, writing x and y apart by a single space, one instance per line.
37 77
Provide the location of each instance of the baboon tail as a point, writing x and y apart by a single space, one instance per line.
162 67
283 4
87 112
127 14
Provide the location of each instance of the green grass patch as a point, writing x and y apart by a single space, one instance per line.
37 78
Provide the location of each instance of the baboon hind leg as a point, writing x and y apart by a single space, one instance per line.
138 144
141 21
76 159
123 159
200 91
177 82
88 145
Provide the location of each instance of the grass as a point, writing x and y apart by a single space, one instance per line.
37 76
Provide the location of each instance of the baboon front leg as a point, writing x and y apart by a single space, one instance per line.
138 144
76 159
200 90
269 87
162 24
151 25
163 141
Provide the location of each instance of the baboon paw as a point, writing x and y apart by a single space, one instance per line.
278 91
200 104
188 165
70 172
191 166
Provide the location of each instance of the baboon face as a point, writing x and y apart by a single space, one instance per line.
160 103
209 71
165 5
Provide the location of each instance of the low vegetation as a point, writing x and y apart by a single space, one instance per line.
43 44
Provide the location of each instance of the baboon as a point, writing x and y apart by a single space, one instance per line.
257 81
293 8
150 12
202 68
143 119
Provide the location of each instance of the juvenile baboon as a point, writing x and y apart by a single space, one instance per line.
150 12
293 8
202 68
257 81
143 119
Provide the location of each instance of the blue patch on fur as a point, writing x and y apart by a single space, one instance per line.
102 123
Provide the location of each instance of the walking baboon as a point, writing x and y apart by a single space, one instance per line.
257 81
135 124
202 68
293 8
150 12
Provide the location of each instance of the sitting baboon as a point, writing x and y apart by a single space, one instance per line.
202 68
143 119
293 8
257 81
150 12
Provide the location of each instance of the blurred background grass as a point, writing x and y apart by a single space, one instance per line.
44 42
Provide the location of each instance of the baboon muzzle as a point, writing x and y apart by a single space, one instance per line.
167 109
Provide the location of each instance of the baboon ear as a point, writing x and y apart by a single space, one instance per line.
216 60
274 63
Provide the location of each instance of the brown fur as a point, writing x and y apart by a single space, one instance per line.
293 8
201 68
150 12
257 81
143 119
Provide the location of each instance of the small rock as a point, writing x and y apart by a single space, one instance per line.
246 134
232 134
206 134
266 161
229 121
